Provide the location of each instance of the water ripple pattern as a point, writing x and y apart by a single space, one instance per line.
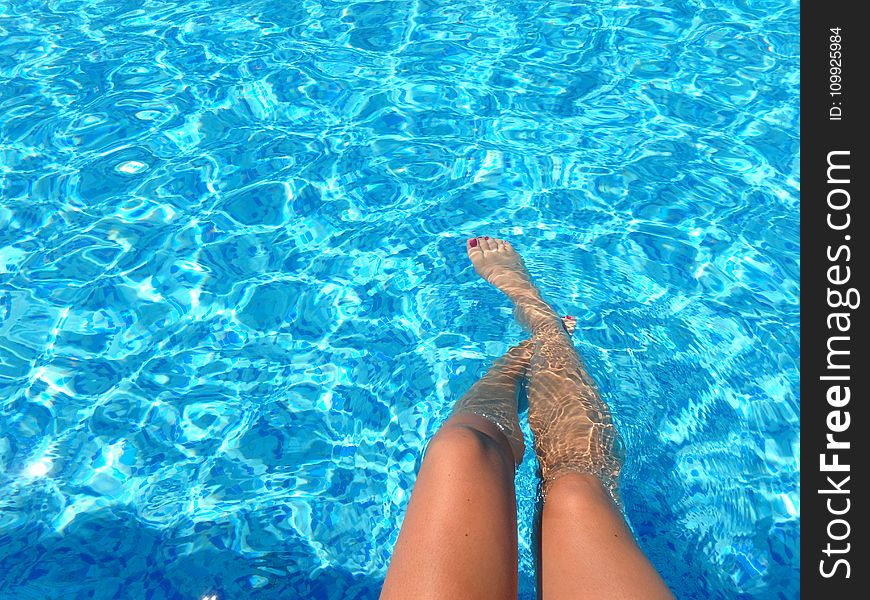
234 302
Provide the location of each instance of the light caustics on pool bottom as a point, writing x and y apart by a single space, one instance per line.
234 301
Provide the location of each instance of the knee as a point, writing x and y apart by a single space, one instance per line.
577 493
468 443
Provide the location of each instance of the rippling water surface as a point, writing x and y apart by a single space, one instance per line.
234 301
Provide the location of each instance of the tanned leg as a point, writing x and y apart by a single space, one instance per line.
459 536
587 549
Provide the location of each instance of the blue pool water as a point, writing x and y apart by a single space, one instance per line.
234 301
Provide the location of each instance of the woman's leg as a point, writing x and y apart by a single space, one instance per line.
587 549
586 545
459 536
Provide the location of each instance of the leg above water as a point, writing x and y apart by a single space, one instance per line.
459 536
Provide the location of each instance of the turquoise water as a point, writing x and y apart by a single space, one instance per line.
234 301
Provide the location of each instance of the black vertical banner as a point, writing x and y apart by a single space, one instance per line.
834 263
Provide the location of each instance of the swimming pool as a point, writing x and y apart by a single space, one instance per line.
234 300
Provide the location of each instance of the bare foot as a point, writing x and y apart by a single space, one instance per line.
497 262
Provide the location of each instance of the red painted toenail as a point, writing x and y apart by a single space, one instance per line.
486 237
473 242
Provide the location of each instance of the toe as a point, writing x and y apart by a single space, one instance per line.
472 246
488 243
500 245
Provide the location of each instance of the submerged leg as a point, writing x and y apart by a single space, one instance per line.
571 423
585 542
494 396
587 549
